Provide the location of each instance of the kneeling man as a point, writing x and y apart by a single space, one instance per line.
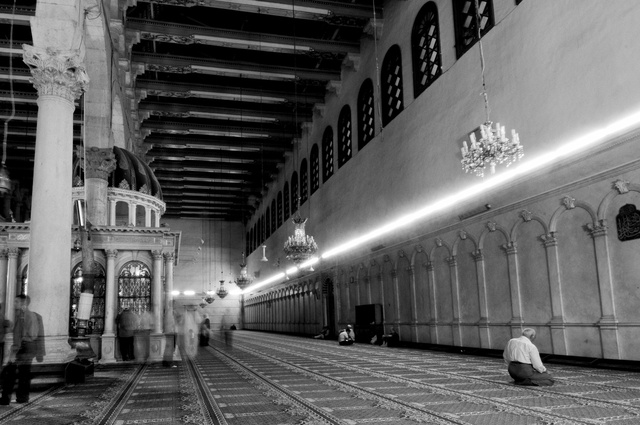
523 360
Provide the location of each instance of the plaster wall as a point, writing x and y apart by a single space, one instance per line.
554 72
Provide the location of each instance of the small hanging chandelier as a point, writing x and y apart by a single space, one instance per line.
493 147
244 279
221 292
299 247
208 298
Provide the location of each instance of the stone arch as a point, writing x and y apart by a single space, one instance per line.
404 293
527 216
569 204
443 300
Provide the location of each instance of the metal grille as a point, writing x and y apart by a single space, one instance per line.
425 43
279 209
286 201
96 319
134 287
315 169
392 96
304 181
294 192
365 113
344 141
267 222
465 18
327 154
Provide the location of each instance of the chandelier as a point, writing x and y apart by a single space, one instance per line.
208 297
300 246
243 280
221 291
493 147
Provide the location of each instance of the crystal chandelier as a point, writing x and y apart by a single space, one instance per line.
221 291
243 280
493 147
208 297
300 246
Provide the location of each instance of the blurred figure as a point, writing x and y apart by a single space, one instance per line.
190 332
324 333
392 339
6 325
28 342
145 326
345 336
228 335
205 331
233 327
127 322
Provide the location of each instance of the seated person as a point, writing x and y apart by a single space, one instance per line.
345 338
392 339
523 360
233 327
324 333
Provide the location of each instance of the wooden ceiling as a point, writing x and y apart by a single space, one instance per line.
225 90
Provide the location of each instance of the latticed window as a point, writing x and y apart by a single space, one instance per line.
267 223
134 288
304 181
274 216
392 97
96 319
294 192
280 209
465 22
366 123
327 154
315 169
425 44
344 136
287 201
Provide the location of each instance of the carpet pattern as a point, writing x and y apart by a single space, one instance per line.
266 379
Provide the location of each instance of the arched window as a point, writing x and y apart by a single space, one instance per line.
134 287
96 318
392 97
287 201
304 181
327 154
267 223
425 46
366 123
464 15
294 192
344 136
274 216
315 168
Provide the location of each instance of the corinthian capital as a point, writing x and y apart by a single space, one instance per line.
100 162
56 73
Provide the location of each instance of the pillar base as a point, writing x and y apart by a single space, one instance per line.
58 350
107 354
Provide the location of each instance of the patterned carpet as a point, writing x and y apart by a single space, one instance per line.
265 379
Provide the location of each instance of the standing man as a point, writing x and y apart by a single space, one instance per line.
523 361
127 324
28 342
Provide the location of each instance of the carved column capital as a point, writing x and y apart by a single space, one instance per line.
429 266
598 229
169 256
13 252
510 248
478 255
111 253
4 253
99 163
549 240
157 254
55 72
452 261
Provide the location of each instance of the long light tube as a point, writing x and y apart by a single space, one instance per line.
562 152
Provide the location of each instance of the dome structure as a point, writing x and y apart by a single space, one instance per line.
132 173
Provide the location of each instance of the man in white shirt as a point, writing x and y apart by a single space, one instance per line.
346 336
523 361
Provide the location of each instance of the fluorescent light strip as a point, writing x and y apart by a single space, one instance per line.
263 5
262 75
254 45
229 134
232 117
238 97
581 143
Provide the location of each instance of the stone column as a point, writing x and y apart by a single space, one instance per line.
483 325
558 328
99 163
3 289
168 288
109 335
156 338
433 307
455 298
59 78
112 213
414 304
608 323
147 217
11 291
511 250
